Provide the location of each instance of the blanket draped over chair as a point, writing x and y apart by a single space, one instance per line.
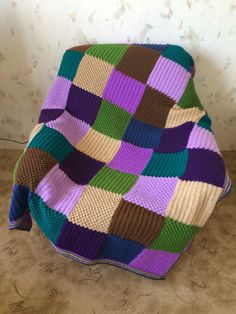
122 167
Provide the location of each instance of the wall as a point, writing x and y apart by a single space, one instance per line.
34 35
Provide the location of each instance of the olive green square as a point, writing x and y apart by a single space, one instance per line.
111 120
111 53
113 180
174 236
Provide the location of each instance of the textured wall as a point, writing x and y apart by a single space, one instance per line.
34 34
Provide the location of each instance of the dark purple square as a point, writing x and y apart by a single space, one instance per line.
80 240
205 166
80 168
82 104
47 115
175 139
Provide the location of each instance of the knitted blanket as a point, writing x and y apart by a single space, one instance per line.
122 167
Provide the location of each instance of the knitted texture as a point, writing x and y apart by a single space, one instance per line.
122 167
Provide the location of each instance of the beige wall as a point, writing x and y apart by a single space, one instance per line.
34 34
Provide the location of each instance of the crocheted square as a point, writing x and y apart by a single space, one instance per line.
205 166
113 180
99 146
205 122
190 98
111 120
111 53
136 223
32 167
138 62
175 80
123 91
142 134
35 131
177 116
131 158
202 138
80 240
82 104
167 164
95 209
155 261
48 220
82 48
47 115
61 196
93 74
57 94
70 62
80 168
178 55
154 107
43 139
174 236
193 202
119 249
72 128
19 202
175 139
146 193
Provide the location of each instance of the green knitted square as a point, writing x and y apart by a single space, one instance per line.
48 220
69 65
53 142
205 123
111 120
16 166
112 53
167 164
174 236
179 55
190 98
113 180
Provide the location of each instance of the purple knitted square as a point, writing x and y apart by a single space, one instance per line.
175 139
61 196
82 104
155 261
205 166
146 193
58 93
80 168
169 78
80 240
47 115
202 138
123 91
72 128
131 158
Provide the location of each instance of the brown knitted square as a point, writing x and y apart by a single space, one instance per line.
138 62
136 223
154 107
82 48
33 166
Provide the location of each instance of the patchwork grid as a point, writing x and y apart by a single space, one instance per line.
123 166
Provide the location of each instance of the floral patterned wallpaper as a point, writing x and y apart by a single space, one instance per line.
34 35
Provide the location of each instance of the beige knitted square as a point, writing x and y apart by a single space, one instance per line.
34 132
95 209
93 74
178 116
193 202
99 146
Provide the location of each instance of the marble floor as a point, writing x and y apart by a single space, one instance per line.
36 279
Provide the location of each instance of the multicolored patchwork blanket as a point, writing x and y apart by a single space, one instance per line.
122 167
